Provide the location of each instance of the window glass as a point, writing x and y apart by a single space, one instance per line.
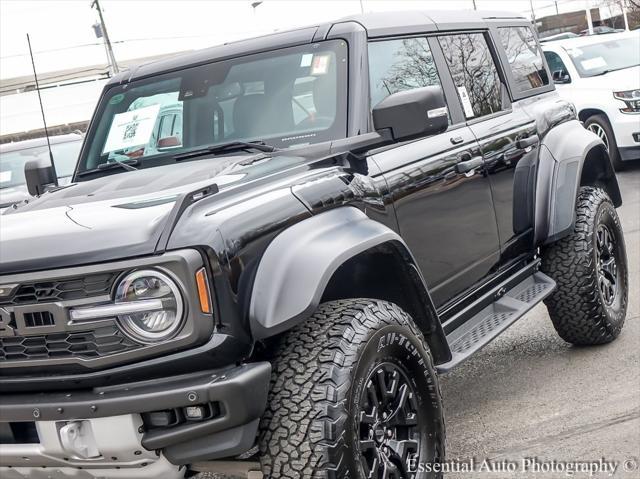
398 65
474 73
555 62
285 97
524 57
608 55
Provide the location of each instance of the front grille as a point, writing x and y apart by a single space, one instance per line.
39 318
79 287
83 344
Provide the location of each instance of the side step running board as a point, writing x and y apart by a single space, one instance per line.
488 323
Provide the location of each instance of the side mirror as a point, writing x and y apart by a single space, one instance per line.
40 176
412 113
169 142
561 76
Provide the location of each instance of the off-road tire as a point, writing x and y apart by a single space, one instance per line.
578 308
309 428
601 121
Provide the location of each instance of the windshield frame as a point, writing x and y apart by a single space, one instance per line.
339 129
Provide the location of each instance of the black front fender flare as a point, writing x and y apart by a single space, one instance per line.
298 264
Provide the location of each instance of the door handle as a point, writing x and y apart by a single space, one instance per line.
523 143
456 140
469 165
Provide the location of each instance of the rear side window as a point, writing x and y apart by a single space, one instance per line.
398 65
474 73
525 58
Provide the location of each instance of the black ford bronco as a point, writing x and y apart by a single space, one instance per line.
270 249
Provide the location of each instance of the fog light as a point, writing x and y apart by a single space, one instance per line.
194 413
160 418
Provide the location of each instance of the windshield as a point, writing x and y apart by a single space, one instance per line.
286 97
65 156
592 60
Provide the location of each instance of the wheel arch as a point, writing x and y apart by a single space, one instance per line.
563 167
339 254
586 113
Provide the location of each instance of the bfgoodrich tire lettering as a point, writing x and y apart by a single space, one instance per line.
312 427
581 311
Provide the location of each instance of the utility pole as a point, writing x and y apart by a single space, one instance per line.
556 2
624 16
533 16
112 59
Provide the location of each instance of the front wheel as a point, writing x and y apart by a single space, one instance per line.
590 269
354 394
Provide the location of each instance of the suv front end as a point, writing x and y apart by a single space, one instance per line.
80 359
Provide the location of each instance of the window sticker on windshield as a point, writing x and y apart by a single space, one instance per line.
131 128
5 176
466 103
593 63
306 60
115 99
320 64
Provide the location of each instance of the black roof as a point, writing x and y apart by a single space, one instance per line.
377 24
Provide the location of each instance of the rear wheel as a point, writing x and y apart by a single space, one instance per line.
354 395
599 124
590 269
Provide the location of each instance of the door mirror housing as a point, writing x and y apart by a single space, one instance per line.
561 76
40 176
412 113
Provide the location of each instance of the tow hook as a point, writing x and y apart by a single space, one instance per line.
77 438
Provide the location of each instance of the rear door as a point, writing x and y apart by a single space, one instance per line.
444 214
505 133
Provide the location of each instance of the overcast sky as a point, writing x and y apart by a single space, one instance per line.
62 36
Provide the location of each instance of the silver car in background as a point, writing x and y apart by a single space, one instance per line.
13 156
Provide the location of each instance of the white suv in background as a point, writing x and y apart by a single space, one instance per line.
600 74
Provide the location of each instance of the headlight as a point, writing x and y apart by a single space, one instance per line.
631 98
153 305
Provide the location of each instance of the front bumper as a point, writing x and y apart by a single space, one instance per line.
625 125
240 395
628 153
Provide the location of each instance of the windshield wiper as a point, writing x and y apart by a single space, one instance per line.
604 72
226 148
127 164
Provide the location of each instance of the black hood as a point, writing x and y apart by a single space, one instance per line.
116 216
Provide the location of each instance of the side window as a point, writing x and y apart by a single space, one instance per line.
555 62
398 65
474 73
524 57
166 125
